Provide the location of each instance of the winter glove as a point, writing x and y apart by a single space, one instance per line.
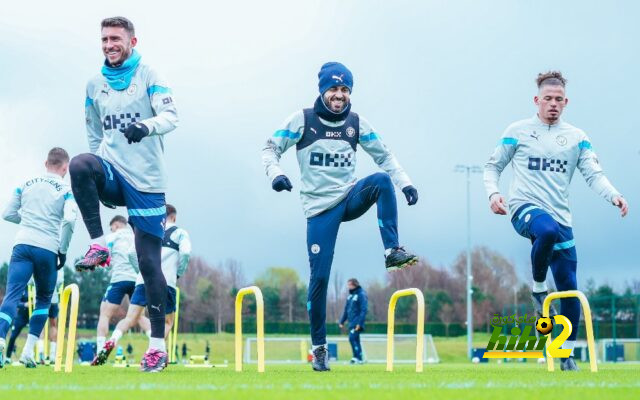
62 260
411 194
136 132
281 183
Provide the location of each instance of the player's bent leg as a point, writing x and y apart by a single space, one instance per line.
543 231
89 185
378 189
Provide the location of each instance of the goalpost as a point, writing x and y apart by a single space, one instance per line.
295 349
619 350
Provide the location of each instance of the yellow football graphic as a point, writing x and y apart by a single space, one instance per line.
544 325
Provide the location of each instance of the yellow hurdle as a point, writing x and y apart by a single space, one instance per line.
71 294
586 309
391 322
259 326
173 335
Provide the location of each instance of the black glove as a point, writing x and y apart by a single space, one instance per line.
411 194
62 260
281 183
135 132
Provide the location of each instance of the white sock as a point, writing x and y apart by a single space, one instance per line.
40 345
539 287
157 343
52 350
116 335
313 347
148 333
3 343
387 252
99 240
27 350
100 342
569 344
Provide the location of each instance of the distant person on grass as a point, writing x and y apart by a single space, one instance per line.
355 311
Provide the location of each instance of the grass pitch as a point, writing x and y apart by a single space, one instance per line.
453 378
444 381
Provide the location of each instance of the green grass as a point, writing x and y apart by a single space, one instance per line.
462 381
452 378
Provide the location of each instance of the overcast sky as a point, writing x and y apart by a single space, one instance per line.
439 80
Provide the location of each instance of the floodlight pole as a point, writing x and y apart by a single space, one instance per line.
469 169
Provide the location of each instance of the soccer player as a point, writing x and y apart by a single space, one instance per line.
545 151
355 311
176 252
129 109
124 270
46 212
326 137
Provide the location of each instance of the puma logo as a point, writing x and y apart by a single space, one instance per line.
314 131
105 92
535 135
156 307
338 78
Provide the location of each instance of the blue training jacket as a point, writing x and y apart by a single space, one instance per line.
355 310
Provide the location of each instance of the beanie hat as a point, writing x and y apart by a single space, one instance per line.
334 74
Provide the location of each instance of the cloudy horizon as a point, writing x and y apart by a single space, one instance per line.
438 80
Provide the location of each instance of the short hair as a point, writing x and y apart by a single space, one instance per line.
118 218
354 282
553 78
57 157
119 22
171 210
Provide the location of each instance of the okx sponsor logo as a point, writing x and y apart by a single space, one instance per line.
523 343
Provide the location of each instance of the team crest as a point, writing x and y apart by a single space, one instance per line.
132 89
315 249
561 140
351 132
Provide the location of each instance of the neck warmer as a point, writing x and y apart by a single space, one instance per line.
323 112
119 78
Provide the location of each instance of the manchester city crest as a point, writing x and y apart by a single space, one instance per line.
351 132
561 140
132 89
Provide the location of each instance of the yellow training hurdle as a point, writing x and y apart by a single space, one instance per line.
586 309
71 294
259 326
173 334
420 322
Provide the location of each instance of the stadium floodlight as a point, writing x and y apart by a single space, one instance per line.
469 169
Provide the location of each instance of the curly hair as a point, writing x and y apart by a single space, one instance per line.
553 78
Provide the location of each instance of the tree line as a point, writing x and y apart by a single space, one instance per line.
208 295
